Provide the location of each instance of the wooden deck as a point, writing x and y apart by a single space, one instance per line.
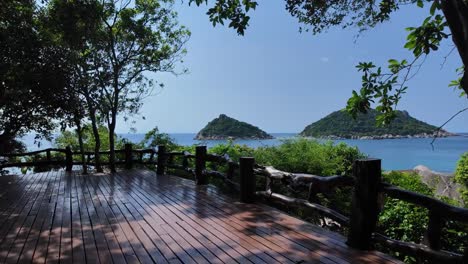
137 216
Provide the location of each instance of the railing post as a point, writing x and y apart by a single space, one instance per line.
128 156
247 180
200 164
434 230
365 207
161 163
68 159
48 155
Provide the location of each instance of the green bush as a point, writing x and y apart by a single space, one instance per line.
461 177
408 222
235 151
154 138
401 220
70 138
309 156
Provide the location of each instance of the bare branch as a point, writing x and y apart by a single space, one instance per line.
446 122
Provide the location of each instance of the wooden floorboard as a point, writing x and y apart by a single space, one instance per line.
137 216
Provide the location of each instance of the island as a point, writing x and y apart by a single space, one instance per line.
340 125
225 127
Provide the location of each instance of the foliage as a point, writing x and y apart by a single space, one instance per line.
136 39
388 87
69 138
226 127
342 125
461 176
33 73
235 151
309 156
123 41
408 222
232 10
154 138
402 220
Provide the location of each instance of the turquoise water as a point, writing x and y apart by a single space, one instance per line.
396 154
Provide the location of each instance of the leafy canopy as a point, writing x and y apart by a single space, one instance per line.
33 73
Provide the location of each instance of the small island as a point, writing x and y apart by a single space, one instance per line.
340 125
225 127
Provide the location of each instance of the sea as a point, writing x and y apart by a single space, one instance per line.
396 154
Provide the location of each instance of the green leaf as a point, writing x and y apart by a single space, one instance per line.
434 7
420 3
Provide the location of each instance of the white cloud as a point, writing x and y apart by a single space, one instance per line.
325 59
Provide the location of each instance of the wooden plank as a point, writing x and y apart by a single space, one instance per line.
101 224
77 240
33 221
96 226
135 234
12 227
89 240
26 256
155 212
41 250
302 245
238 251
224 228
136 216
284 240
53 248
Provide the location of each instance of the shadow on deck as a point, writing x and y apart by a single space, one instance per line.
138 216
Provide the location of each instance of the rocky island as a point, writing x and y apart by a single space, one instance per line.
224 127
340 125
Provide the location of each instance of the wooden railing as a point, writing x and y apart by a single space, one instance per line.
200 171
439 214
367 199
314 184
367 202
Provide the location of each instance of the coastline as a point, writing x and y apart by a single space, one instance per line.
221 137
387 136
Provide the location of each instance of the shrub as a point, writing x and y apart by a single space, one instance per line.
310 156
408 222
154 138
461 177
70 138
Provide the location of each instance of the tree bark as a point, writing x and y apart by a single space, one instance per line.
456 13
79 132
112 144
94 125
97 140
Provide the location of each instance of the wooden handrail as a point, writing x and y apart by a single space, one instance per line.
10 155
448 211
438 256
336 216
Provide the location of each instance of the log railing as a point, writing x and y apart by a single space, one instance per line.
200 171
314 184
439 214
367 202
367 199
67 160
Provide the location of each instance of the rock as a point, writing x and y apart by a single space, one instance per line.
443 183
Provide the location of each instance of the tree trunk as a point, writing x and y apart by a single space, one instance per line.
456 13
79 132
97 140
112 144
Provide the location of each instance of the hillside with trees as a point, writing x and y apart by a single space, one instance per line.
224 127
340 124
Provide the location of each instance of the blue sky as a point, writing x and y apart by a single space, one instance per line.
281 80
